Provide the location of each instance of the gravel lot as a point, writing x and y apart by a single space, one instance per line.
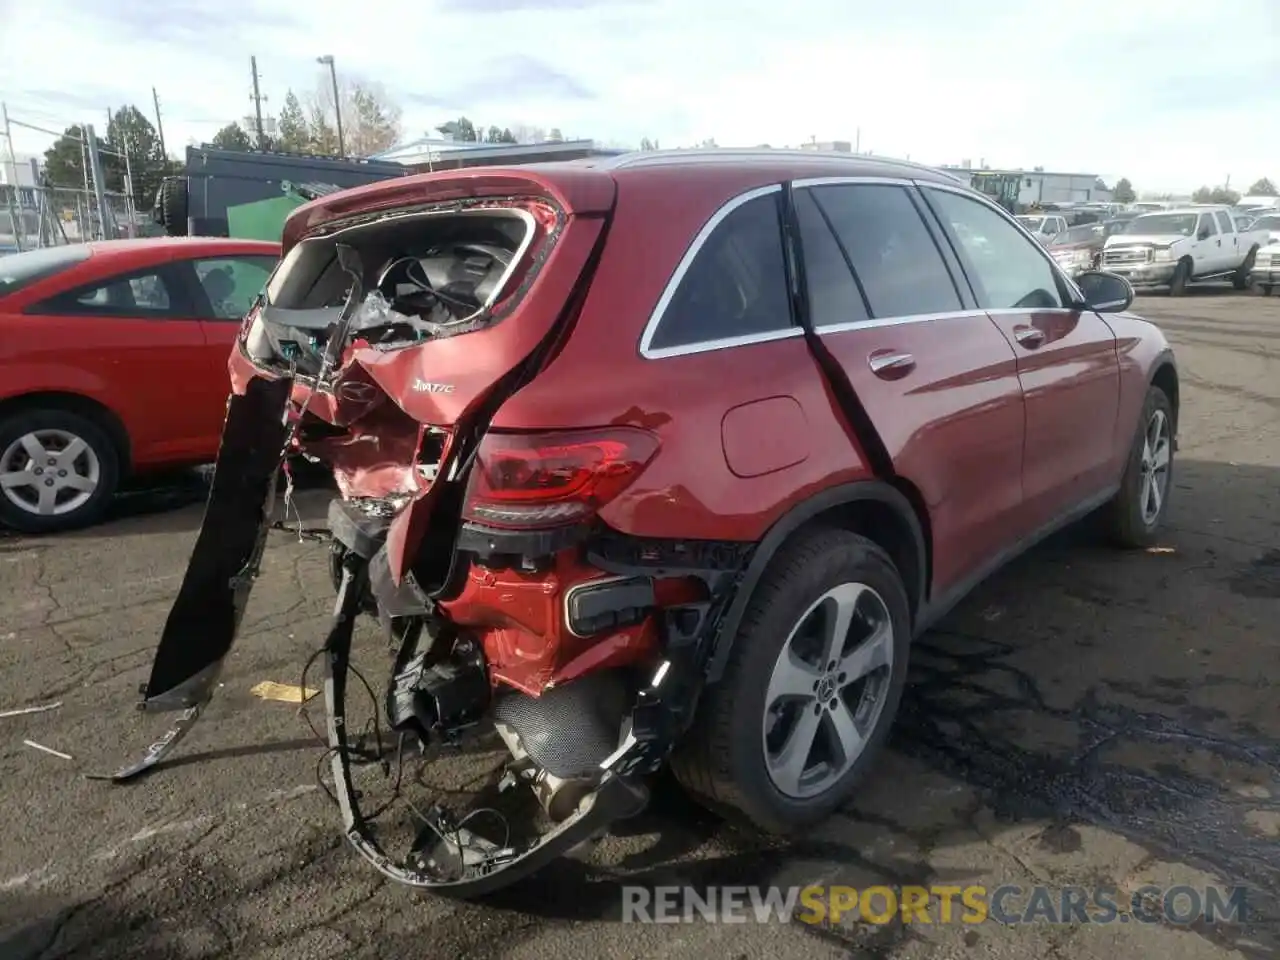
1085 718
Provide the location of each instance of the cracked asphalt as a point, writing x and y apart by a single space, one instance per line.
1086 717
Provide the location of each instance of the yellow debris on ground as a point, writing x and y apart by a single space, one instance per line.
284 692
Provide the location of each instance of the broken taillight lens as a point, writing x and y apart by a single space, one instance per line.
533 481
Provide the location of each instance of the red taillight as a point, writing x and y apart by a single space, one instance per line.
524 481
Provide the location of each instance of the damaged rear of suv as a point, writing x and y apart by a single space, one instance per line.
605 485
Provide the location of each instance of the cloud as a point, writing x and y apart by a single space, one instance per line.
513 81
1152 90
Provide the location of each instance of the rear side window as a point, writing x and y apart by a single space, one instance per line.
141 294
1224 222
231 284
834 297
736 284
18 270
896 261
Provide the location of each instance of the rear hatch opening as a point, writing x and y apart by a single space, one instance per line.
426 274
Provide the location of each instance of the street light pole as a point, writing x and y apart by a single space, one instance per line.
327 60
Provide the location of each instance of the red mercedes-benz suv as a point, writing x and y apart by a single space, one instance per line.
666 457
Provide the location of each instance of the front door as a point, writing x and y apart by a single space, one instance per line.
1066 357
936 378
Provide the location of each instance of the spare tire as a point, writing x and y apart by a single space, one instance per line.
173 206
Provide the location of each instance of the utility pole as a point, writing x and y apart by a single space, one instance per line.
155 98
327 60
99 196
257 99
12 193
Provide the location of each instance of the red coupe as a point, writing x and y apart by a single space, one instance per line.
113 360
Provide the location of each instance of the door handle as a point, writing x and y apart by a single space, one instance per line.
1029 337
891 364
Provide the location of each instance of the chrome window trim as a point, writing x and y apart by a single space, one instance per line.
668 293
850 181
1027 235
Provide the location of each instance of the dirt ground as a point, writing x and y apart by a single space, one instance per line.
1085 718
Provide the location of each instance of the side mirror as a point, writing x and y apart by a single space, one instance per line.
1105 292
1203 234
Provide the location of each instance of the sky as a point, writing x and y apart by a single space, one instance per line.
1172 94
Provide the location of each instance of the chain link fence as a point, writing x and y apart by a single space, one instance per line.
33 217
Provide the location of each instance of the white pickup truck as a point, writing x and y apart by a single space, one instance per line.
1173 247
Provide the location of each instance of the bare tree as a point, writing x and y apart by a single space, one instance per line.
370 117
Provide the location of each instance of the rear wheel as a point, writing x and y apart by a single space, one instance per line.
813 682
1181 277
58 470
1262 289
1135 515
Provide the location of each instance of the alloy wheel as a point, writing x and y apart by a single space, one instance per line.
1157 448
828 689
49 472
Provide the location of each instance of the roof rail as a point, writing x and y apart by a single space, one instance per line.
729 154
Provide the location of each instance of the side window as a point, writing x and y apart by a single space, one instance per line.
834 296
233 283
1206 223
140 294
1224 222
1007 270
896 261
736 285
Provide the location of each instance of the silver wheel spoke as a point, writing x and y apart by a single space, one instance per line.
67 456
870 655
790 762
16 479
1156 497
35 450
792 677
74 481
845 600
1160 459
48 502
847 735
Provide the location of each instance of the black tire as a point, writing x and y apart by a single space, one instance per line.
1181 277
722 761
99 443
1262 289
1241 278
1126 525
173 206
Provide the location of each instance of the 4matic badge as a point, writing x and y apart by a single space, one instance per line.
424 386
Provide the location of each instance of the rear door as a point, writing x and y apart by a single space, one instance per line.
222 289
133 337
1066 357
1232 255
936 378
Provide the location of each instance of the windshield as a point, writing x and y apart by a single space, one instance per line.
1031 223
17 270
1077 235
1270 222
1161 224
1112 227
